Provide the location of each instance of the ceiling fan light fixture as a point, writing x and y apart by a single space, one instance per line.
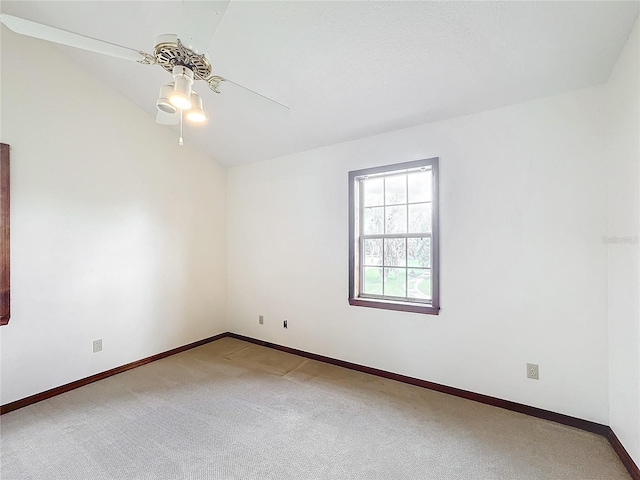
196 113
181 96
162 103
180 100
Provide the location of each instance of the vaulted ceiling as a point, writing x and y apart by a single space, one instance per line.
348 69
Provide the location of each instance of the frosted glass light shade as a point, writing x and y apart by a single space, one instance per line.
181 96
180 100
196 113
162 103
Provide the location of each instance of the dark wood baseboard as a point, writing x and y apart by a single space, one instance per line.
477 397
38 397
626 459
587 425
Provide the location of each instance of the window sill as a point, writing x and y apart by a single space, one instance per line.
398 306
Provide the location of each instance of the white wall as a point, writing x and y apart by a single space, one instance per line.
116 232
623 196
524 270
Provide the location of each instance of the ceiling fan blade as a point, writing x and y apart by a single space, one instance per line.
200 22
56 35
164 118
282 105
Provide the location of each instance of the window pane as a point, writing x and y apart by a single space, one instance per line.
395 282
373 252
372 282
373 220
420 186
396 219
373 195
419 252
395 254
395 190
420 218
419 283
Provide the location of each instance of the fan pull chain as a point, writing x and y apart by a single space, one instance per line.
181 140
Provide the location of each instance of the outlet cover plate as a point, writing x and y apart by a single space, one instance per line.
532 371
261 319
97 346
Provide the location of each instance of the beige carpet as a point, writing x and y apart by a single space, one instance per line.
234 410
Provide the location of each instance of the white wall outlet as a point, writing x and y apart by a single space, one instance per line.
532 371
261 319
97 346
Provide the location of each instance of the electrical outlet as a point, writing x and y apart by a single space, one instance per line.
532 371
97 346
261 319
284 324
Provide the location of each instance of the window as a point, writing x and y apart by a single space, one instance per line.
393 237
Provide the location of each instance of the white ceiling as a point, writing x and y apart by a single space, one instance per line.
350 69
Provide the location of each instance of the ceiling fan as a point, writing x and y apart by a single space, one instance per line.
176 99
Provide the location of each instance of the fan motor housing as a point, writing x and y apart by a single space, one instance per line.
169 52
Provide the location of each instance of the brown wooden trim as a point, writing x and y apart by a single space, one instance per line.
435 235
625 458
38 397
5 258
476 397
352 236
587 425
354 299
400 307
